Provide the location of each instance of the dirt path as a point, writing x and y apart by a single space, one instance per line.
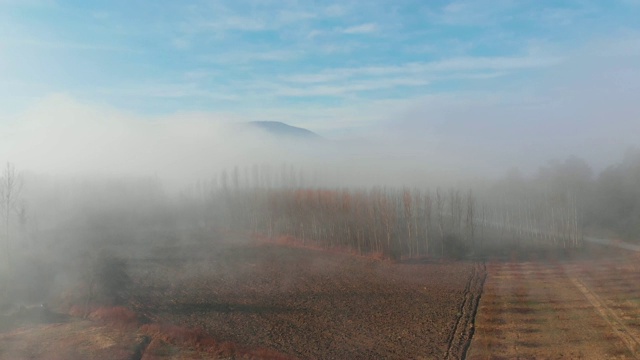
460 338
614 243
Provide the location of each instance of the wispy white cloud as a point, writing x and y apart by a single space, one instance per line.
466 12
325 76
176 90
28 3
555 16
251 56
219 17
367 28
200 74
232 23
180 43
314 33
335 10
460 64
421 48
351 87
100 15
491 63
292 16
57 44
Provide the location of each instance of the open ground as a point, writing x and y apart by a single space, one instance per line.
584 307
313 304
243 298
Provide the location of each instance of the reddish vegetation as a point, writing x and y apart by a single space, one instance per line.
75 339
77 311
115 333
120 316
398 223
291 241
179 335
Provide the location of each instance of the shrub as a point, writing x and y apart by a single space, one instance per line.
108 281
455 247
113 279
392 251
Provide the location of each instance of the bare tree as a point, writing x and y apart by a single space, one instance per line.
408 217
10 189
484 225
470 222
388 217
440 215
427 221
456 208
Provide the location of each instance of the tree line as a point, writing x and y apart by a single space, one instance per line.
399 222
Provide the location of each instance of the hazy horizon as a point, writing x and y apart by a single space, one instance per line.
451 89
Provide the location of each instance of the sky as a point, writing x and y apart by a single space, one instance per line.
506 81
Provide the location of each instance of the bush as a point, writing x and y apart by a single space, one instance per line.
455 247
113 279
109 281
392 252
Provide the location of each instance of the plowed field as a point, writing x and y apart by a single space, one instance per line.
312 304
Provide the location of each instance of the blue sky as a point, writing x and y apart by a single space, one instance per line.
341 68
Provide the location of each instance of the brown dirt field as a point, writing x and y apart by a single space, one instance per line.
312 304
572 309
78 339
253 300
115 333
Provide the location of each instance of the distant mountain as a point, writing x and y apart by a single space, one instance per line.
283 130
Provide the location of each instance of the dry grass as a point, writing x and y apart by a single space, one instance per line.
533 310
165 337
179 335
119 315
84 339
291 241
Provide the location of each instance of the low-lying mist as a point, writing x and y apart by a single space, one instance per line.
87 183
62 137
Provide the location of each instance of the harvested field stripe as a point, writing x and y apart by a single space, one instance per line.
621 330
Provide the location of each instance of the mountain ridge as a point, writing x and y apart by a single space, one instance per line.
279 128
